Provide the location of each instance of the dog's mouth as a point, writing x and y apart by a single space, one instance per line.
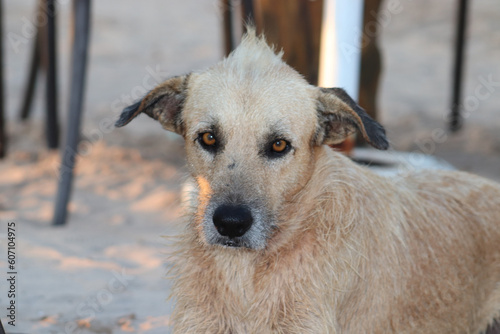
244 242
231 243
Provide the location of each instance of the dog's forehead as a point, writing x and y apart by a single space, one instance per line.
277 98
253 88
243 105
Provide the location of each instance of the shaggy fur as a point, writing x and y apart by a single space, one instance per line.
333 248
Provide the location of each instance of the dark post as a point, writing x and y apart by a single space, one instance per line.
248 11
52 124
31 81
81 21
227 21
3 136
2 330
35 64
295 27
455 117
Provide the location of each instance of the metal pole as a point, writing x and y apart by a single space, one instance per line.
455 117
52 125
31 82
2 330
81 19
3 136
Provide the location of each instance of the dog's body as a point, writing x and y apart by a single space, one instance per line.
361 254
287 236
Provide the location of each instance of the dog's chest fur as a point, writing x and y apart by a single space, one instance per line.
258 294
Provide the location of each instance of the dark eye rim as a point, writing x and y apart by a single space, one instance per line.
271 153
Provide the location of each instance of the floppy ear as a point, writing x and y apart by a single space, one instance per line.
339 116
164 103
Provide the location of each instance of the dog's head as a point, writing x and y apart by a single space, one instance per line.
251 125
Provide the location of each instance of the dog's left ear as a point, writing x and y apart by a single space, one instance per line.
339 116
164 104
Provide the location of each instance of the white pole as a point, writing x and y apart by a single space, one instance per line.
340 47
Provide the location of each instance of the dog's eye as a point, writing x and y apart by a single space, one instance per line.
279 146
208 139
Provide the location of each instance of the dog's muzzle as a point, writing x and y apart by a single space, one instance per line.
232 221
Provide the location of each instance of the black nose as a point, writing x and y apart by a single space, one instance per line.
232 220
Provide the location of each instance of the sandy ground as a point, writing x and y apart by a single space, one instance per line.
105 271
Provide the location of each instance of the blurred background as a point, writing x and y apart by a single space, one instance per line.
103 271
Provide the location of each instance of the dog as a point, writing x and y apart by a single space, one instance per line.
285 235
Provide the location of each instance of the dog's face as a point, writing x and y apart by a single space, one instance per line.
249 148
251 124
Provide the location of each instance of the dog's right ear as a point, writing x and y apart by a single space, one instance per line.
339 116
164 103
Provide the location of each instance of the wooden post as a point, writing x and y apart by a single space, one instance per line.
371 60
294 26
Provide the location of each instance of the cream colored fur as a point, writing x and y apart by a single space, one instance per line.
348 251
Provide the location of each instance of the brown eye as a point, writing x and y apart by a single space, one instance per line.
279 146
208 139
